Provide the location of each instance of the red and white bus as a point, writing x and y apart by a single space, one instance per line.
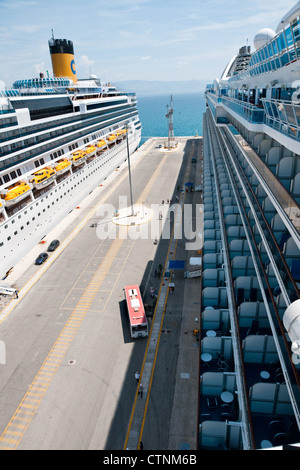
136 312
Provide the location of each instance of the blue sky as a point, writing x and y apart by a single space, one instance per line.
132 39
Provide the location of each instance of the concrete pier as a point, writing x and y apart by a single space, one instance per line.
73 305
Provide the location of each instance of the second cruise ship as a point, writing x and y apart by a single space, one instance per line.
250 360
60 137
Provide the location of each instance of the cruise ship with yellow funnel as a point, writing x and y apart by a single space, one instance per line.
56 147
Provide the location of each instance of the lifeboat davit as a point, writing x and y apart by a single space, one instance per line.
78 158
43 177
62 166
15 193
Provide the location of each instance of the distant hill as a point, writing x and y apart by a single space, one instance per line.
144 87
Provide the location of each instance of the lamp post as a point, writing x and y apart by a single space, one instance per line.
128 157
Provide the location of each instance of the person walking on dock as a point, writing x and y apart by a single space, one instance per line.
141 389
137 376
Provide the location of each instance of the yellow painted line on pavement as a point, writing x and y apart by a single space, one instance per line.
48 370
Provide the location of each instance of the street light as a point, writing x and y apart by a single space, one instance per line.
128 156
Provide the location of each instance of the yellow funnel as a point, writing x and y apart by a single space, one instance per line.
62 58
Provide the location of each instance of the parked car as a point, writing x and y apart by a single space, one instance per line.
53 245
41 258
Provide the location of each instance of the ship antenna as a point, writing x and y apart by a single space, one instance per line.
52 34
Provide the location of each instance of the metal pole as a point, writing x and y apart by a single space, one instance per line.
130 186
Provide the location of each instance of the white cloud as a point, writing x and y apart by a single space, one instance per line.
16 4
125 37
28 28
85 61
181 64
39 67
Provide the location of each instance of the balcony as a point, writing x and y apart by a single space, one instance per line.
248 111
283 116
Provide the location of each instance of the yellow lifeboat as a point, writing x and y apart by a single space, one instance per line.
62 166
101 143
119 135
43 177
78 158
90 151
15 193
111 138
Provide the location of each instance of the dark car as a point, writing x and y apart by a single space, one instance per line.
41 258
53 245
194 160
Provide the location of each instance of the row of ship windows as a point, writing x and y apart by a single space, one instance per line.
15 146
15 133
12 121
43 148
284 48
14 174
48 207
11 176
29 130
8 121
276 63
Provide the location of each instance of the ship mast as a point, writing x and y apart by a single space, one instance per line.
169 116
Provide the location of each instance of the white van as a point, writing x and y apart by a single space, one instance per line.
6 290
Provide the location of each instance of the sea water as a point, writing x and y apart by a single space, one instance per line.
188 110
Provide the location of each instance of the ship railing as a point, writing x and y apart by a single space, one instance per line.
246 428
284 116
284 202
248 111
289 289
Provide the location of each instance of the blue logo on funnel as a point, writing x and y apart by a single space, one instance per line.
73 66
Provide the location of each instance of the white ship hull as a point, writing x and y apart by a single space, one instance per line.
17 237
